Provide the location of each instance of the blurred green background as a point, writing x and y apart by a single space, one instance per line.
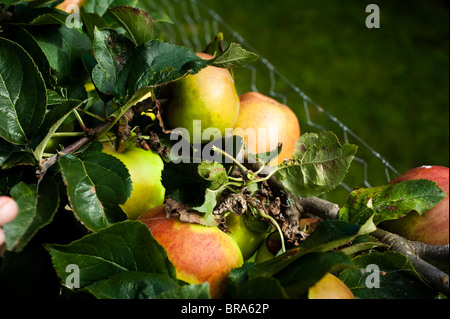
389 85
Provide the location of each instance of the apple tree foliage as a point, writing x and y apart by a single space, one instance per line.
70 200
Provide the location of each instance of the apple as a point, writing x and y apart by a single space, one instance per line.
199 253
263 254
330 287
209 98
145 169
247 239
269 248
264 122
432 226
63 6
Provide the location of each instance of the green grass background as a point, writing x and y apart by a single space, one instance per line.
389 85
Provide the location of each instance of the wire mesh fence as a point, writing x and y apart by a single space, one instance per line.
195 26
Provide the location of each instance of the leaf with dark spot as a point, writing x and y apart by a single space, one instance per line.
318 165
391 201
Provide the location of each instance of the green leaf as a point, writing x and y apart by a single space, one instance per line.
267 157
391 201
63 48
318 165
22 94
55 98
334 233
101 6
155 63
23 37
183 183
132 285
161 17
52 122
200 291
216 174
38 204
137 23
138 96
207 208
235 56
213 172
111 50
393 272
363 243
97 184
91 21
44 16
121 247
15 155
238 276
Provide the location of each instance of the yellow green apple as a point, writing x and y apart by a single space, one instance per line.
247 239
264 122
330 287
199 253
269 248
203 101
145 169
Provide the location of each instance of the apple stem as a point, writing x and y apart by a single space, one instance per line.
98 117
236 179
260 169
263 212
80 121
68 134
92 134
263 179
241 167
232 190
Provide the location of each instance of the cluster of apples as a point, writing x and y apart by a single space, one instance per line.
200 253
207 254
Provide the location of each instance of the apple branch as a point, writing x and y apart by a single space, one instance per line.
433 276
90 135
